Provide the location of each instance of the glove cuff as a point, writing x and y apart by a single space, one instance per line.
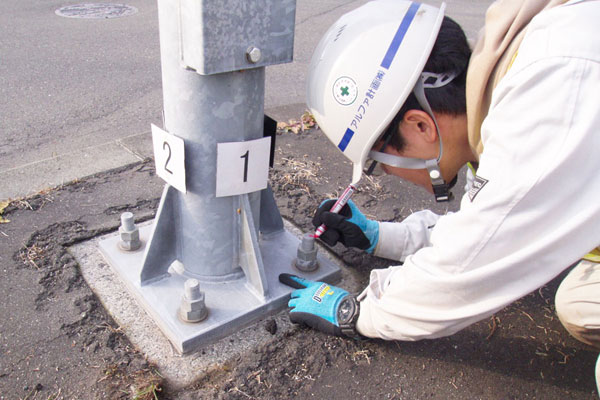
372 234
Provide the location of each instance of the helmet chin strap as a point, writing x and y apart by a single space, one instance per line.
440 187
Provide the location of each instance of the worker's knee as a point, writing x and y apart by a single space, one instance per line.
598 374
578 303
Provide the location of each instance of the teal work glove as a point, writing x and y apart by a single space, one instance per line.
350 227
314 303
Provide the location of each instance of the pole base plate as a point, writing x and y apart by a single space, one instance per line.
231 304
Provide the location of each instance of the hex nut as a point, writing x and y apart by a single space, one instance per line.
192 311
192 307
129 233
306 257
306 265
130 240
128 236
130 246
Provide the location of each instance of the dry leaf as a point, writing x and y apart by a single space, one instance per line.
3 205
307 121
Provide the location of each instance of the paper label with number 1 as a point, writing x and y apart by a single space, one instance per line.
242 167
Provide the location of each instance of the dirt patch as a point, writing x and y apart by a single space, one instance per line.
281 369
75 350
523 351
57 341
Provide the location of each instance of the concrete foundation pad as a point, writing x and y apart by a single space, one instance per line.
179 370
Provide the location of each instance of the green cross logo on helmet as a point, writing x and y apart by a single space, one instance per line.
345 91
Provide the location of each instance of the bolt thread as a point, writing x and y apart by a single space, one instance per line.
127 222
308 242
192 289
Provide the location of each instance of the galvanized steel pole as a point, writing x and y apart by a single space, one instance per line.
209 264
203 110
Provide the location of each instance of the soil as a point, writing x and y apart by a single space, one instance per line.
57 341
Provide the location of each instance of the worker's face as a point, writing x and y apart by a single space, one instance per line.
421 141
419 177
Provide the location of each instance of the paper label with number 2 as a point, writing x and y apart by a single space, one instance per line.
169 158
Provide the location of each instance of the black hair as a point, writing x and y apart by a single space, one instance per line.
450 54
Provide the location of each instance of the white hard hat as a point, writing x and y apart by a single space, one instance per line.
363 70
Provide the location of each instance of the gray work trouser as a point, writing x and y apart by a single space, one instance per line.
578 305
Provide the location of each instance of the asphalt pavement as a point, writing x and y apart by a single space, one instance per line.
78 95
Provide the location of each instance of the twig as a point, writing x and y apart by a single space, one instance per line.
55 396
235 389
528 316
364 353
565 359
493 329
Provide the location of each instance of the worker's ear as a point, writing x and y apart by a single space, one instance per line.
418 127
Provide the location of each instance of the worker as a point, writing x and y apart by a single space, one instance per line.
395 82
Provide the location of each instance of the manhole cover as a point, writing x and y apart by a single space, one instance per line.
96 10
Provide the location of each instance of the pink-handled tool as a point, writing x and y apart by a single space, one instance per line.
341 202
